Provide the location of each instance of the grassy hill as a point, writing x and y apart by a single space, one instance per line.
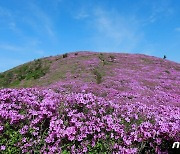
86 66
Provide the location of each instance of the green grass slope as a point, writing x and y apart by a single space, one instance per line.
87 66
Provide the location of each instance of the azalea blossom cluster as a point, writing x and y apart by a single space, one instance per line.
50 121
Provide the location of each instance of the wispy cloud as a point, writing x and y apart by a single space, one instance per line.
8 63
37 19
8 47
28 48
9 21
40 22
82 14
114 31
159 10
56 3
7 18
177 29
8 54
5 12
12 25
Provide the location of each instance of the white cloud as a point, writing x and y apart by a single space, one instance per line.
114 31
7 47
41 21
177 29
82 14
8 63
27 51
159 10
7 18
12 25
28 48
57 2
5 12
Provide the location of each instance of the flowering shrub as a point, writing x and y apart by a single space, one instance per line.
40 120
106 103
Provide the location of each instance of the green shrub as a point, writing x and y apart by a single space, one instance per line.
1 75
112 58
103 59
9 138
98 76
167 71
34 70
8 78
65 55
100 147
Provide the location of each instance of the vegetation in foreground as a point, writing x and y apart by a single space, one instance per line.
40 121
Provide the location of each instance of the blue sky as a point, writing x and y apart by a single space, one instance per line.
30 29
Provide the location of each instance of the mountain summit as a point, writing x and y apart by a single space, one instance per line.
91 67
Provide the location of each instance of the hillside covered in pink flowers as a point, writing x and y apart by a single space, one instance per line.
88 102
